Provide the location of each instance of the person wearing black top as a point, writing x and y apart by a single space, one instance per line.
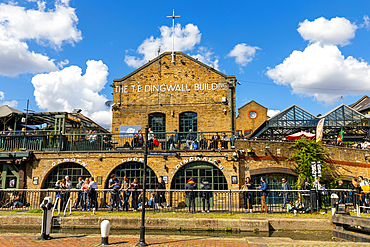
306 194
160 196
341 194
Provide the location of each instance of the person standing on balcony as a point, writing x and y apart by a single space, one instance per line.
150 139
177 140
285 190
224 141
264 194
190 138
190 187
215 140
201 141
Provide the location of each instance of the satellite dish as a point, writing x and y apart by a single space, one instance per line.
109 103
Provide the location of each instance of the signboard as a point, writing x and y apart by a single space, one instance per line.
316 168
35 180
165 179
129 129
319 130
163 153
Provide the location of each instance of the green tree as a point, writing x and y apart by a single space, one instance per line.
307 151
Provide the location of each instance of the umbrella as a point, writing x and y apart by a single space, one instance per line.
298 135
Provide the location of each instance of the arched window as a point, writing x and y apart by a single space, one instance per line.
72 170
135 170
157 121
188 120
199 170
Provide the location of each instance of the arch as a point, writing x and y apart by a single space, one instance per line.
134 169
199 170
188 120
71 169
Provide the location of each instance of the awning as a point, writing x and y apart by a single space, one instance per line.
298 135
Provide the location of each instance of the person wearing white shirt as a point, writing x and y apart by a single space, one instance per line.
93 194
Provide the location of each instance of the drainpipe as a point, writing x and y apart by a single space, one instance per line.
231 86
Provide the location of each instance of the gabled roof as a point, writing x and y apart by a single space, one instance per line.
361 104
249 103
336 108
6 111
169 54
287 109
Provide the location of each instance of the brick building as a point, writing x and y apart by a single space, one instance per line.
183 95
250 116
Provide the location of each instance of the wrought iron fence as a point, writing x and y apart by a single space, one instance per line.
44 141
220 201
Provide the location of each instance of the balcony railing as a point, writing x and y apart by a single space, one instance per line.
43 141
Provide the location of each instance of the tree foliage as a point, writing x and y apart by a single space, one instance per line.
307 151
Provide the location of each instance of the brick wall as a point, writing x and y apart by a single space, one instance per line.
173 88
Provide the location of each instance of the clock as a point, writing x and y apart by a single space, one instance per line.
252 114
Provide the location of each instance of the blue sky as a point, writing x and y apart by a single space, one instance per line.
65 54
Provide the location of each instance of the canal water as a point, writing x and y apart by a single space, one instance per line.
295 235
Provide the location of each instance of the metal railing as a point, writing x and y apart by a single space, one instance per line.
45 141
219 201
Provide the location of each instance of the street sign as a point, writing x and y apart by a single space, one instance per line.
316 168
163 153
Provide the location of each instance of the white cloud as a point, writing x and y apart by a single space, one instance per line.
321 71
67 89
48 27
271 113
243 54
205 55
366 23
337 31
12 103
185 40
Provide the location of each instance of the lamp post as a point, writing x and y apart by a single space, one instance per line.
142 227
367 168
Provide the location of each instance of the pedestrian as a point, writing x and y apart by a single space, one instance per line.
306 187
340 192
356 192
285 190
365 189
160 196
85 195
93 186
246 189
317 200
78 201
264 194
135 193
206 195
190 187
115 185
126 193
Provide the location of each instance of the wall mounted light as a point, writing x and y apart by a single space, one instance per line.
199 155
165 167
165 157
101 159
